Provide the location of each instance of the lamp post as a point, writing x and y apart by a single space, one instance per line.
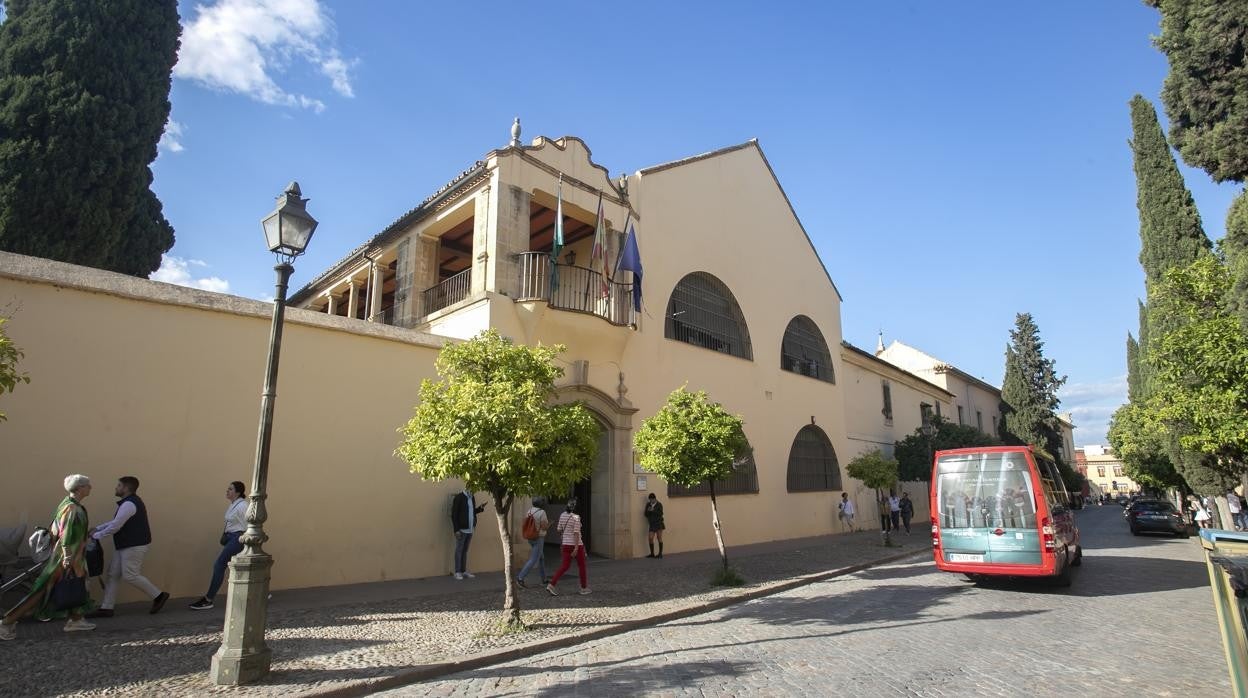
929 430
243 656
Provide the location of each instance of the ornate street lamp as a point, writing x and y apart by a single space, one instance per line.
929 430
243 656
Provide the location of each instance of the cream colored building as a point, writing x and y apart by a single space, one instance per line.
136 377
976 403
1105 471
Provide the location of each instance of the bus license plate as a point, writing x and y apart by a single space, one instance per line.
965 557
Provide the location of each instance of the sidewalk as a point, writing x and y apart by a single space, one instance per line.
347 639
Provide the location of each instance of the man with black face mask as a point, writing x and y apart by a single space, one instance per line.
572 546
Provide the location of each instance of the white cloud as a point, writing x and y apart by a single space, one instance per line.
171 139
240 45
1091 405
175 270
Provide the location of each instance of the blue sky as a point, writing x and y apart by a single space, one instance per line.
955 163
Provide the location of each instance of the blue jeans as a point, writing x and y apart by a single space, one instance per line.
229 550
536 556
461 551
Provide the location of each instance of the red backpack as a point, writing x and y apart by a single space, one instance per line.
529 530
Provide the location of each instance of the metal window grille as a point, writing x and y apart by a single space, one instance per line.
703 312
812 462
888 401
744 480
803 350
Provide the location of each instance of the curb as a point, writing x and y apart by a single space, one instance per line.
365 687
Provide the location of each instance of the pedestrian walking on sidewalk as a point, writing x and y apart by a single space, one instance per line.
464 512
235 524
846 512
132 534
906 510
1236 506
894 511
570 526
69 533
654 517
536 523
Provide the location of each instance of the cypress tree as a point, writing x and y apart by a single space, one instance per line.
1133 369
1206 43
1235 248
1170 228
1029 390
84 97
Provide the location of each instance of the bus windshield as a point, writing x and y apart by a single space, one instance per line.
985 490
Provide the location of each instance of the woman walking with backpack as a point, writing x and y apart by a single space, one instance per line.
570 526
536 523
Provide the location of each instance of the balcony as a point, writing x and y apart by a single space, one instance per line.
578 289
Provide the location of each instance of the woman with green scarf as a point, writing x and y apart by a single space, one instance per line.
70 531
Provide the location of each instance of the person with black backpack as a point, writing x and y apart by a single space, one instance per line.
536 523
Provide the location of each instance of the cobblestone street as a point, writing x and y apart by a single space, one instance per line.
1138 620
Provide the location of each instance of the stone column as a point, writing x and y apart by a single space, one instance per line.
424 272
353 298
481 252
511 237
374 291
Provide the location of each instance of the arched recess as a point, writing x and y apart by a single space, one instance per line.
812 462
804 350
703 312
743 481
606 491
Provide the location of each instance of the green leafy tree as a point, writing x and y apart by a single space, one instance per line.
1202 365
691 441
914 453
1137 439
10 355
878 473
489 422
84 97
1029 391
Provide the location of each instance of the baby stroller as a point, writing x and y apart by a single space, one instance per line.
18 571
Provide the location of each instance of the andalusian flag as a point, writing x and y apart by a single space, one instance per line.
598 257
557 244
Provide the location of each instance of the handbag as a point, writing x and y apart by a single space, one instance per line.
94 557
70 591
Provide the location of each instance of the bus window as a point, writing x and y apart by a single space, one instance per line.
1054 486
985 490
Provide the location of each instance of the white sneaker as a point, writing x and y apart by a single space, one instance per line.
584 591
470 575
459 575
76 625
8 632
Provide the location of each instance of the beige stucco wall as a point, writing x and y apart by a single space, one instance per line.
133 377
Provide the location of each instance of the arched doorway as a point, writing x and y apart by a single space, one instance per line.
593 501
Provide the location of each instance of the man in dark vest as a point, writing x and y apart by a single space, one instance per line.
131 535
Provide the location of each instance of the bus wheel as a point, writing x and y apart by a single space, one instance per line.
1078 561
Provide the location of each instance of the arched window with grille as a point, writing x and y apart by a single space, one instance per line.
703 312
744 480
812 462
804 351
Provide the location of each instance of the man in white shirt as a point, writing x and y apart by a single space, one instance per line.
846 514
131 534
1236 506
894 511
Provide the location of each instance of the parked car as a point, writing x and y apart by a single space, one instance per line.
1156 516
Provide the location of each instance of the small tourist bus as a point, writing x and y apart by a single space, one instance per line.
1002 511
